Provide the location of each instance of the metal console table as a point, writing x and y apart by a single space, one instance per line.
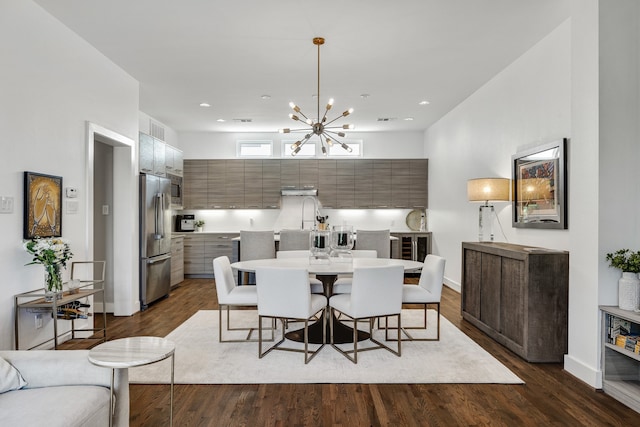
35 300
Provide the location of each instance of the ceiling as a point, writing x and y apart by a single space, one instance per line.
229 53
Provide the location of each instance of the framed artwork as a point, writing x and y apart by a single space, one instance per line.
42 205
540 186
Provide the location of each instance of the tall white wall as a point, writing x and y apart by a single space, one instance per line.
52 82
528 102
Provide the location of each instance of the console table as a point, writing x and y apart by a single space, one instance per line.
35 300
518 295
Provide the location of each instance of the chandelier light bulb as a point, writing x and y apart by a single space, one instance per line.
309 122
296 151
324 150
329 142
347 126
346 147
341 134
296 145
294 117
285 130
294 107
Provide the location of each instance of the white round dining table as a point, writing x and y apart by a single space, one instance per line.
327 273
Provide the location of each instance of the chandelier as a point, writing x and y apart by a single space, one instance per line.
319 126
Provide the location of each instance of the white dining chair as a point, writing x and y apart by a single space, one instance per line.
427 292
256 245
232 296
316 285
343 284
284 294
375 292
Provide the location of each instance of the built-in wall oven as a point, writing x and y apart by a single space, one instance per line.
176 191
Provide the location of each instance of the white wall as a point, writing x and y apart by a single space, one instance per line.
528 102
582 82
380 145
52 82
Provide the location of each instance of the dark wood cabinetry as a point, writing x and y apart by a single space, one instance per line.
518 295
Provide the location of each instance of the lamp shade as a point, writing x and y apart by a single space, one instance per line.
488 189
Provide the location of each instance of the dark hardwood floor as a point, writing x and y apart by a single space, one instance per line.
550 397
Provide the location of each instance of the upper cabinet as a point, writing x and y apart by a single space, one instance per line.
341 183
173 160
158 158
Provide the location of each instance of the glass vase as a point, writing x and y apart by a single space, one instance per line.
52 282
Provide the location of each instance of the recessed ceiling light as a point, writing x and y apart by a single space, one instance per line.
265 96
365 96
204 104
408 119
423 103
221 120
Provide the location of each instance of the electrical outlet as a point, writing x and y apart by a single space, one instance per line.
38 321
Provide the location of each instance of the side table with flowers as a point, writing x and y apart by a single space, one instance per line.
53 253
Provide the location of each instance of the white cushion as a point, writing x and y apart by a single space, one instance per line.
10 378
417 295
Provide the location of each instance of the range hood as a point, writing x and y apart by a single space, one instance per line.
292 191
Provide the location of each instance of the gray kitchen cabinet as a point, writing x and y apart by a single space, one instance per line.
518 295
400 183
194 184
173 161
159 151
419 187
216 179
271 184
177 259
341 183
201 248
382 184
327 183
290 173
234 184
363 184
253 184
345 193
145 153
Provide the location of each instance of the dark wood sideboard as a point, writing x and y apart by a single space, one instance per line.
518 295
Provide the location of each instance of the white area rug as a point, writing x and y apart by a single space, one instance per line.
201 359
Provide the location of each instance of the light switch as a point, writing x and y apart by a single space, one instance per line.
6 204
105 209
72 207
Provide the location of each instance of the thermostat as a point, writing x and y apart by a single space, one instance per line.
71 192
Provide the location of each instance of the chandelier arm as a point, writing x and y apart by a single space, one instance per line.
339 117
299 130
332 132
302 114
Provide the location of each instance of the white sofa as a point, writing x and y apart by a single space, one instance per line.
62 389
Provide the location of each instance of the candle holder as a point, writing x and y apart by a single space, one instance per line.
319 246
342 243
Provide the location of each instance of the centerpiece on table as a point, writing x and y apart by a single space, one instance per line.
629 284
53 253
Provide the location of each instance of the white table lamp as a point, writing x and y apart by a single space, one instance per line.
487 190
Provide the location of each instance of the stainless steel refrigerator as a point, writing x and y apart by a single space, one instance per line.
155 238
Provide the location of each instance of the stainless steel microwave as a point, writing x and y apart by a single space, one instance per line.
176 190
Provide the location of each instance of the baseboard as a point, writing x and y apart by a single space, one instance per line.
453 285
584 373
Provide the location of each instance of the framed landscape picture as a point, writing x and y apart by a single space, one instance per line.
42 205
540 186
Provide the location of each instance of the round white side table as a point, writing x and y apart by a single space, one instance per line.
130 352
